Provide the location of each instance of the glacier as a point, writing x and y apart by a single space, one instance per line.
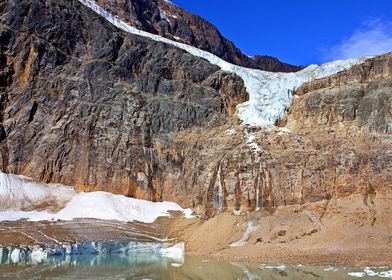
270 94
41 253
22 198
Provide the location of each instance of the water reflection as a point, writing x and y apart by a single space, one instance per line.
150 266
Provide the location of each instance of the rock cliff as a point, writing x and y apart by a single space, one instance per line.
86 110
125 114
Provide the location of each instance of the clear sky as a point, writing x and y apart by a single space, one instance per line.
301 31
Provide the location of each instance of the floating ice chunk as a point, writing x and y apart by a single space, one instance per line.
284 130
370 272
331 269
174 252
357 274
386 274
273 267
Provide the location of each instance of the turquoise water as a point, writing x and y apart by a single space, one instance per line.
149 266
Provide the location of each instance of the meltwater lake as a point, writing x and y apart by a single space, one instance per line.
152 266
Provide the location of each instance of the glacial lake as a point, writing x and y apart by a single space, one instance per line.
150 266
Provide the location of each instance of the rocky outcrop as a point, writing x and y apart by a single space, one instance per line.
362 94
170 21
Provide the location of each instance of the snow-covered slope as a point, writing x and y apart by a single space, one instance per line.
22 198
270 94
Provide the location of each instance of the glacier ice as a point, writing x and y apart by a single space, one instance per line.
23 193
41 253
270 94
357 274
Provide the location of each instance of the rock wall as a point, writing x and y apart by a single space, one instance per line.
335 141
124 114
86 110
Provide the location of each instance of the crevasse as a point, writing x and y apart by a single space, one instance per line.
270 94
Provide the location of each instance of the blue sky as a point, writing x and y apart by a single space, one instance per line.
301 31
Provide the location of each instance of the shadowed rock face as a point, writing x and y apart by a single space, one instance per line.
168 20
85 110
87 105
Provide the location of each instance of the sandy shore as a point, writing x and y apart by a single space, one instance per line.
340 232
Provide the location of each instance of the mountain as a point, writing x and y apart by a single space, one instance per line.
87 110
169 20
106 107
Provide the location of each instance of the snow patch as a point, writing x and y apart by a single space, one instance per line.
23 192
270 94
283 130
242 242
162 15
230 132
19 192
251 141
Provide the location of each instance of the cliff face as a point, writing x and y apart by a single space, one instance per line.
335 141
85 110
124 114
170 21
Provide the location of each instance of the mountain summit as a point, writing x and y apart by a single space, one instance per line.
166 19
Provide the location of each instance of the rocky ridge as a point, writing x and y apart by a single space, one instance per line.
171 21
